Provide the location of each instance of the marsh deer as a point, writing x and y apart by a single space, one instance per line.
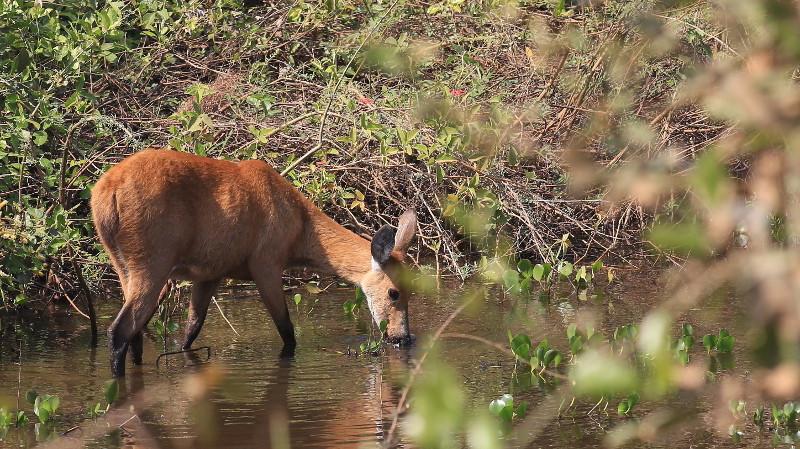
166 215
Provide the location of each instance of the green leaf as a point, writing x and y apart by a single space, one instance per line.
21 419
31 396
559 8
686 329
725 344
549 356
298 297
709 342
41 407
382 326
537 272
521 409
524 266
360 296
565 269
511 280
111 391
518 340
575 344
171 326
507 413
523 351
496 406
597 266
571 329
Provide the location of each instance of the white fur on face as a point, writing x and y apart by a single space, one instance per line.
375 265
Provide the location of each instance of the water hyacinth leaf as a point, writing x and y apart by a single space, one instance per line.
540 350
111 391
497 406
552 356
558 9
348 306
525 285
159 327
298 297
521 409
571 329
30 396
547 268
565 269
524 266
537 272
597 374
575 344
580 275
41 412
171 326
519 339
597 266
725 344
709 342
359 295
758 415
686 329
383 325
523 351
507 413
511 280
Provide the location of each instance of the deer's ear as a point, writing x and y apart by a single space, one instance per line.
382 244
406 230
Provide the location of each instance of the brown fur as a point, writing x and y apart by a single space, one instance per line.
166 215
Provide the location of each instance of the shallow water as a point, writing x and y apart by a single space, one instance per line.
247 396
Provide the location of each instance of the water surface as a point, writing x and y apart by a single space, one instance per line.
324 397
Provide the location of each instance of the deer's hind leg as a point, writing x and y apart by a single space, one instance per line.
136 346
141 300
198 308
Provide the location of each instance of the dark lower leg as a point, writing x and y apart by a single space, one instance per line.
193 326
136 348
198 309
117 348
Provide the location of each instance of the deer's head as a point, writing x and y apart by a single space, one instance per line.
386 285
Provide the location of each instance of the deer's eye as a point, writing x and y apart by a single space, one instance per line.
394 294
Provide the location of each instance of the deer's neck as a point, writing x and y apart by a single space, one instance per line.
332 248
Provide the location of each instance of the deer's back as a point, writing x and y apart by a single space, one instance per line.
205 217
